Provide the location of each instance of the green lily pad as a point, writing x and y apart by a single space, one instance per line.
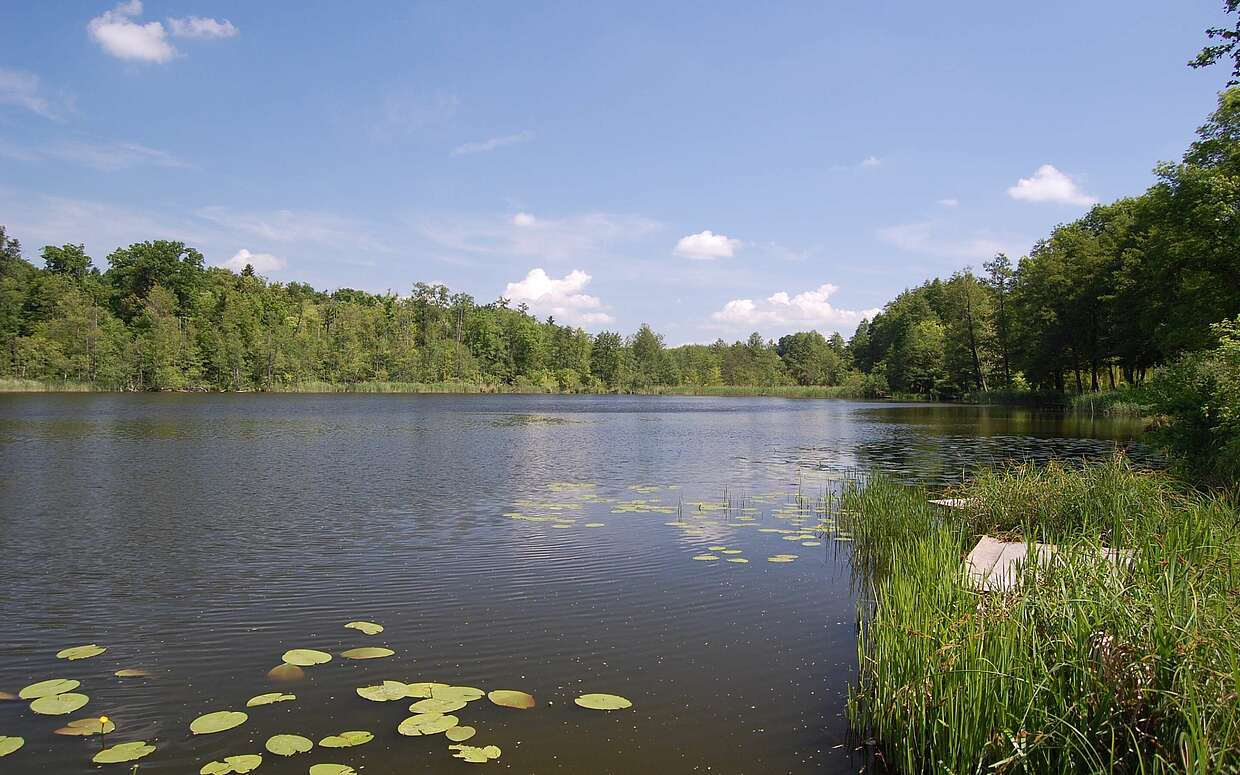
288 745
306 657
811 543
366 628
48 688
460 734
347 739
269 698
59 704
433 705
84 727
738 560
10 744
332 769
716 548
457 693
603 702
286 672
123 752
131 672
243 763
218 721
706 557
369 652
427 724
422 689
474 754
511 698
384 692
778 558
80 652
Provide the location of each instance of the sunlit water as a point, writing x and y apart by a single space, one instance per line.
199 537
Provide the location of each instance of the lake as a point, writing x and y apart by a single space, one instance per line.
199 537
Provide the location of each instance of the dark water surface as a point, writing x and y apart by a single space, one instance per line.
199 537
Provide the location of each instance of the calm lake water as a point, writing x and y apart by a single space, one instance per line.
199 537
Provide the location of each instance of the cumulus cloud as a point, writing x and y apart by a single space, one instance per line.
809 309
706 246
122 37
202 28
491 144
1050 185
564 298
262 262
21 89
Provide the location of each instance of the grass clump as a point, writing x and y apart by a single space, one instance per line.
1080 668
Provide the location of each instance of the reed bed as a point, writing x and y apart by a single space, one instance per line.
16 385
1082 667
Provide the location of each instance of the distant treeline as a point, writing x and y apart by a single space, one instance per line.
1098 303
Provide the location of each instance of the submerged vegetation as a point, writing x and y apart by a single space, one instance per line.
1083 666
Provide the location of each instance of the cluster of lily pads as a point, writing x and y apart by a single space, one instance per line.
433 712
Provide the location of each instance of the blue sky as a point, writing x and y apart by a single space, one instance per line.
711 168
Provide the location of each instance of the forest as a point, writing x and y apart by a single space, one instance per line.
1097 304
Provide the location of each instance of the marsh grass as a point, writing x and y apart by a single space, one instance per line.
1082 668
15 385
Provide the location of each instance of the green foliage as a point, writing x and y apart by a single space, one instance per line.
1229 45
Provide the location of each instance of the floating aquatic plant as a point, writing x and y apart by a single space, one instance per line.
131 672
6 696
240 764
269 698
80 652
427 724
59 704
706 557
474 754
286 672
306 657
218 721
433 705
457 693
366 628
347 739
123 752
288 745
10 744
48 688
422 689
603 702
595 524
512 698
84 727
738 560
367 652
332 769
385 692
460 734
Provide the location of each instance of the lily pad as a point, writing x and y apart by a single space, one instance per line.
123 752
778 558
218 721
739 560
731 551
10 744
422 689
347 739
332 769
59 704
457 693
511 698
80 652
427 724
432 705
706 557
269 698
6 696
460 734
596 524
288 745
48 688
474 754
603 702
286 672
84 727
716 548
366 628
384 692
369 652
131 672
811 543
306 657
243 763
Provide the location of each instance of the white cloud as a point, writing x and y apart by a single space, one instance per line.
926 237
491 144
551 239
564 298
262 262
706 246
202 28
122 37
871 161
21 88
1050 185
950 202
809 309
